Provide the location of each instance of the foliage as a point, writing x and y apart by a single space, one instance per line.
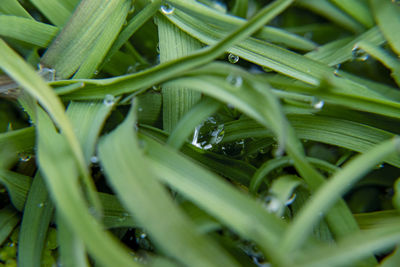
169 133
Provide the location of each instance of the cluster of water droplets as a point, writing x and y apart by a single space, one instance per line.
208 134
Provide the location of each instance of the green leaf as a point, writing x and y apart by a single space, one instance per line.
60 171
387 15
329 193
9 219
27 30
147 200
38 212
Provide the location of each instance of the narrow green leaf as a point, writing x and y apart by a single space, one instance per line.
38 212
87 119
77 39
71 248
387 15
212 194
13 7
17 68
329 193
359 10
17 185
147 200
27 30
173 44
54 10
8 220
60 171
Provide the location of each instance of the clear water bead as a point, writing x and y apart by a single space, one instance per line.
94 160
167 9
318 104
109 100
235 80
272 204
359 54
233 58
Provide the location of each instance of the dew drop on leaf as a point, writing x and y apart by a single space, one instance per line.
109 100
233 58
318 104
359 54
167 9
235 80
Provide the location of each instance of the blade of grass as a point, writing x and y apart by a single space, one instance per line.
133 25
326 9
272 164
147 200
353 248
21 72
27 30
359 10
9 219
36 218
97 53
60 171
75 42
13 7
387 15
155 75
17 186
173 44
55 11
87 119
329 193
214 195
71 248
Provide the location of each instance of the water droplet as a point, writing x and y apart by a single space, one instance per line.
318 103
143 235
167 9
41 205
380 166
158 48
140 109
121 219
359 54
24 158
109 100
337 69
94 160
235 80
208 133
48 74
132 9
272 204
156 88
233 58
290 200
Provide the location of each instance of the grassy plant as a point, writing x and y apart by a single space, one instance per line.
199 133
